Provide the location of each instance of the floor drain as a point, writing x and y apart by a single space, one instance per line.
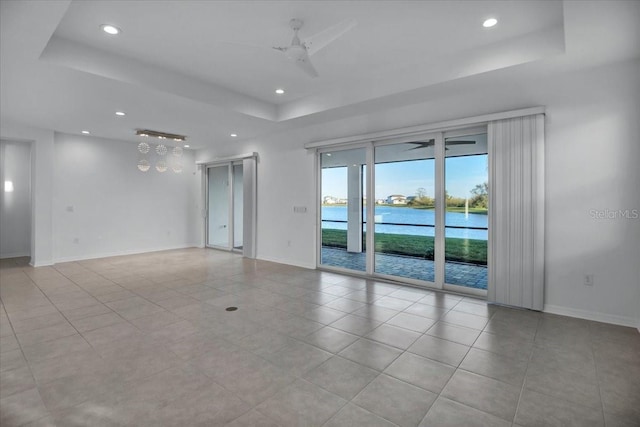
231 308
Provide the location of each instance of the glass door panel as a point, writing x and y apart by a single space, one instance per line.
218 206
404 210
343 210
466 217
238 202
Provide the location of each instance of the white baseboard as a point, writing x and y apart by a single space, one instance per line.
287 262
590 315
41 263
121 253
15 255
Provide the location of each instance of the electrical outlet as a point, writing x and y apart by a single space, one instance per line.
289 243
588 279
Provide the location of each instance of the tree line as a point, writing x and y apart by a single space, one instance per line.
479 199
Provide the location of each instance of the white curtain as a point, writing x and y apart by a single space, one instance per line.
249 182
516 204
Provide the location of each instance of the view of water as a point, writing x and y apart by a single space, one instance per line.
406 215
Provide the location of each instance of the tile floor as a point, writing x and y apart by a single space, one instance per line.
145 340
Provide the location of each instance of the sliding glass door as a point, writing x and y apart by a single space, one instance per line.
343 209
404 218
467 210
225 206
424 220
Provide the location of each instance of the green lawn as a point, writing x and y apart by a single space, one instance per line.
461 250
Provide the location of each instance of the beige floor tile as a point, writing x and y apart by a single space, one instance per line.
440 350
502 368
22 408
301 404
497 398
371 354
172 359
342 377
556 412
447 413
330 339
395 400
352 415
420 371
393 336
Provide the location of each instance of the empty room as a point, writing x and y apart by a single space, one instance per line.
319 213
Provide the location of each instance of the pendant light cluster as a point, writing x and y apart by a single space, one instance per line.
164 154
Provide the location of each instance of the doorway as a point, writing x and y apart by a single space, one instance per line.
225 206
15 199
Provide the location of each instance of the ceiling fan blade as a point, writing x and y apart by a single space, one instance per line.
317 41
459 142
420 144
305 64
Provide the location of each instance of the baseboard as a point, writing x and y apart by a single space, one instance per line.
15 255
41 263
121 253
287 262
590 315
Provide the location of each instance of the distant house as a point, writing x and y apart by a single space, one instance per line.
381 201
329 200
396 199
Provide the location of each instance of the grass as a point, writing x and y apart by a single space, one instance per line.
470 251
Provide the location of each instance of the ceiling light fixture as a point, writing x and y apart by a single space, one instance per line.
490 22
280 91
233 135
110 29
160 135
86 132
120 113
186 145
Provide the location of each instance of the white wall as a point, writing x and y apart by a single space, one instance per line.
103 205
591 163
15 206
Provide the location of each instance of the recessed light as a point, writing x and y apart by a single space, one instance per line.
110 29
86 132
280 91
186 145
120 113
490 22
233 135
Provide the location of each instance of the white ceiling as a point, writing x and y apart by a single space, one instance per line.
206 69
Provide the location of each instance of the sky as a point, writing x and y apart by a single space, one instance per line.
461 175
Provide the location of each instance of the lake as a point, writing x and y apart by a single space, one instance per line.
406 215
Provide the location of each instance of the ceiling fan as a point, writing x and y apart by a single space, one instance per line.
300 50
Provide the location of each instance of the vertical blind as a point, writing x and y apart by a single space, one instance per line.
516 203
